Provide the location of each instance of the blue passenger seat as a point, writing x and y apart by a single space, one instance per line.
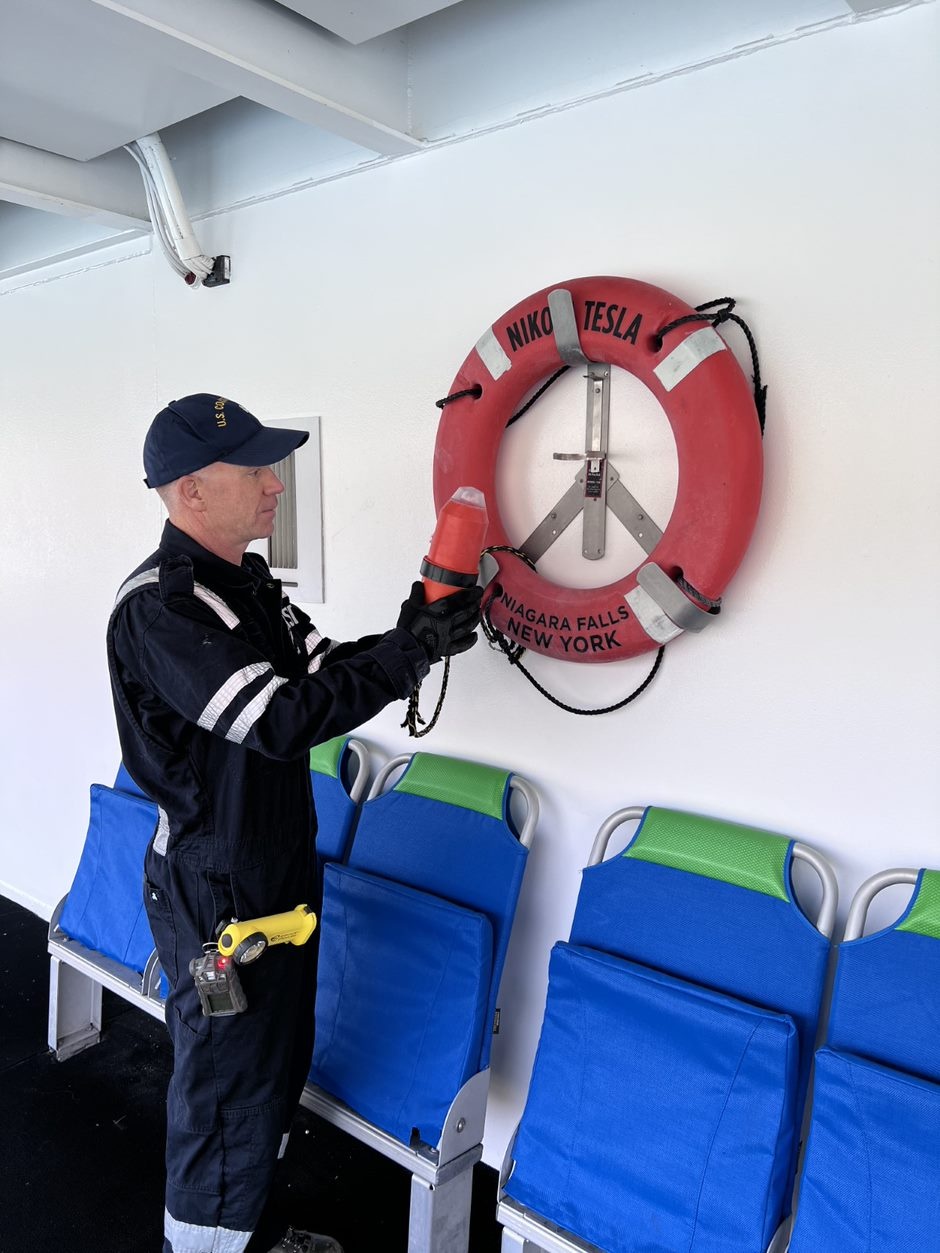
414 932
871 1181
104 909
667 1092
413 939
99 935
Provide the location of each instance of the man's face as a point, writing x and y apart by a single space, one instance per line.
240 501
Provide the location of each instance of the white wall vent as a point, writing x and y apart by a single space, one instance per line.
295 550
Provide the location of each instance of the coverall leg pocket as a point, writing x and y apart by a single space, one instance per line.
162 925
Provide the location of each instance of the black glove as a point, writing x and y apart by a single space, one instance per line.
445 627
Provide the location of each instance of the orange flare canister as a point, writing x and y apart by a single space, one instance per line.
456 544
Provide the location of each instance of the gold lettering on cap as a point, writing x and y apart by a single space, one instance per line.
220 412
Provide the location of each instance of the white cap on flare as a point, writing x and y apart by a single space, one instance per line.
470 496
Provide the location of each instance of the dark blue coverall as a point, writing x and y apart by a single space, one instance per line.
220 686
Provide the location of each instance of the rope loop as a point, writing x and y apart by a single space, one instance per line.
723 313
514 652
413 714
476 391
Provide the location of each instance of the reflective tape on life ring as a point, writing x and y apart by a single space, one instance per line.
710 408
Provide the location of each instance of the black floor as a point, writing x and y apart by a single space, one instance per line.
81 1141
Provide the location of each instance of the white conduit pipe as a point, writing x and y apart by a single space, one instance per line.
156 217
167 210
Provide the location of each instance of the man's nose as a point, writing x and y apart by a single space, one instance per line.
273 483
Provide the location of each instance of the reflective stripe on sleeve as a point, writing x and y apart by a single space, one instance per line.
229 690
318 658
253 711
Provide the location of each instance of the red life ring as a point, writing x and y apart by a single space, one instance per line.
711 411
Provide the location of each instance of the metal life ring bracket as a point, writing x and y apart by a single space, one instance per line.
593 480
662 609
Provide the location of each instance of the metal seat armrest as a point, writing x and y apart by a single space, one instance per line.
396 763
861 902
361 780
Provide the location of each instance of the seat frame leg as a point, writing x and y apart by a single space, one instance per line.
74 1010
440 1215
512 1243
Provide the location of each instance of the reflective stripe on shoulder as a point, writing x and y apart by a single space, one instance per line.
216 604
138 580
229 690
208 597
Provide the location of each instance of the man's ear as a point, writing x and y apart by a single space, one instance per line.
191 494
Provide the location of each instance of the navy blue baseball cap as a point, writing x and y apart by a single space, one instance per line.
195 431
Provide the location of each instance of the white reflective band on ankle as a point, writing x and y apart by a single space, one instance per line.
189 1238
283 1149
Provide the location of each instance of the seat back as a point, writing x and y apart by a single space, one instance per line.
872 1174
710 902
104 909
886 998
339 773
666 1096
413 940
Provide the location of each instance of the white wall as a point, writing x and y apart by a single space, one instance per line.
803 179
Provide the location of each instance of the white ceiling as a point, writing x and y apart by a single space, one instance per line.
359 22
256 96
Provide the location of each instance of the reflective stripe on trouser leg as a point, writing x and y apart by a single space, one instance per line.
234 1085
189 1238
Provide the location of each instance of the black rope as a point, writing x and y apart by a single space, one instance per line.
413 714
514 652
476 391
724 314
544 388
508 548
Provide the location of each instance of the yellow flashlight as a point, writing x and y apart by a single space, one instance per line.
245 941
